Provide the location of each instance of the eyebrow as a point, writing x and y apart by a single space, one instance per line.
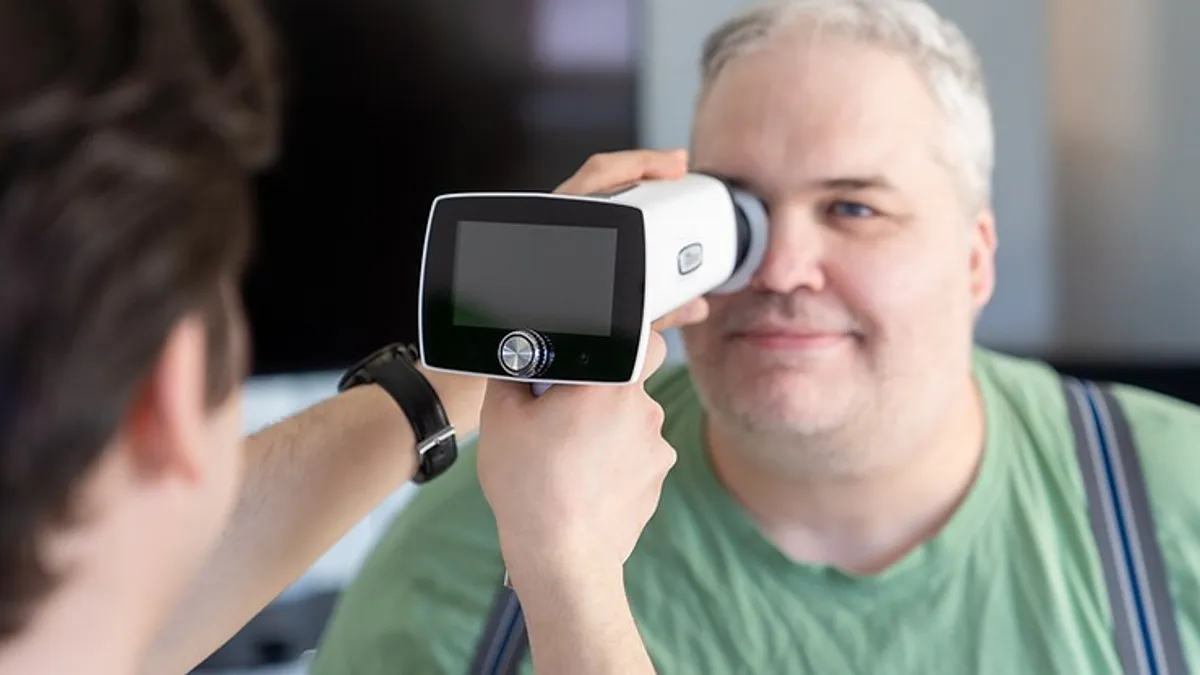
852 183
839 183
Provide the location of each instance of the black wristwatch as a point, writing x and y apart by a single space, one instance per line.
393 368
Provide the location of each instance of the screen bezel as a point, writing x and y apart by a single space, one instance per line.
577 358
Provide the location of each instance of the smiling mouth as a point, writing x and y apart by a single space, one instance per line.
797 341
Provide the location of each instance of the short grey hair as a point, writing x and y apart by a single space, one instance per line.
935 46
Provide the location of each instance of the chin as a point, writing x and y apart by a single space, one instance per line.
785 402
796 386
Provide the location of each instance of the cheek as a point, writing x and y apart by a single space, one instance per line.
903 288
705 336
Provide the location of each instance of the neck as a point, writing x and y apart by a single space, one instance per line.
101 616
861 523
82 629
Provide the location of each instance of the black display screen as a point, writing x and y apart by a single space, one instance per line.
551 278
571 269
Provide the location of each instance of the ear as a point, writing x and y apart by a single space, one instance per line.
983 259
167 422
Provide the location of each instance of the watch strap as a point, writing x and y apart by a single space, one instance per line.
437 446
393 369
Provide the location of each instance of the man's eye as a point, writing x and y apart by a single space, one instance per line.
844 209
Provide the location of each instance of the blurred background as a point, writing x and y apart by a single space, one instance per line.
392 102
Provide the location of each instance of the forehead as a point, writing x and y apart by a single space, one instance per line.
804 110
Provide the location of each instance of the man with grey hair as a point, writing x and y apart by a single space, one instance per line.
860 488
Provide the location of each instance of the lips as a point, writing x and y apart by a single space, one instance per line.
791 339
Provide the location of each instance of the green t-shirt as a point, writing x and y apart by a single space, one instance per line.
1012 584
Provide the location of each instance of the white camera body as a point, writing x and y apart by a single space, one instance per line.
561 289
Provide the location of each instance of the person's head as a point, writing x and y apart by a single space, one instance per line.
866 127
128 130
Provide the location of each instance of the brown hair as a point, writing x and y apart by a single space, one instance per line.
128 132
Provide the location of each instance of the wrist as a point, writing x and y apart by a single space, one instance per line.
461 396
561 566
567 615
394 368
567 587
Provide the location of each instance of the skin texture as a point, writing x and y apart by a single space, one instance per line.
841 408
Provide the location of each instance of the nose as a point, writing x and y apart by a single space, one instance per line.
794 255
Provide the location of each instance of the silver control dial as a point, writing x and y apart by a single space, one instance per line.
525 353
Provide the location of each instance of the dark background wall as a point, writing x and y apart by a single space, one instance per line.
390 103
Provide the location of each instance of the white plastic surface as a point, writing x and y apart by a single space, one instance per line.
682 214
694 210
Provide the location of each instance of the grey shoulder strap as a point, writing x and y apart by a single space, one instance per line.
501 648
1143 616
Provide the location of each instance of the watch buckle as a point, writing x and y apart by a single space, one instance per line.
435 440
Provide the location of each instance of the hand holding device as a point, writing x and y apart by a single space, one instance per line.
604 484
572 477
